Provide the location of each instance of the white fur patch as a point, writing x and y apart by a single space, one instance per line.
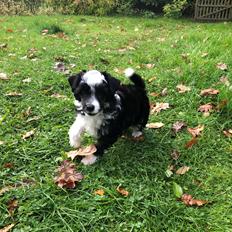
136 134
129 72
88 160
93 77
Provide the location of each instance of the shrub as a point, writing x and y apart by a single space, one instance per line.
175 9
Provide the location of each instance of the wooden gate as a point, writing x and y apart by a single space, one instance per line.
213 10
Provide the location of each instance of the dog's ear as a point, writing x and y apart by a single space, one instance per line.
75 79
112 82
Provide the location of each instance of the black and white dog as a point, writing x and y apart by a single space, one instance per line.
106 108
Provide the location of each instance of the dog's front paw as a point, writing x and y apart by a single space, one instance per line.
88 160
74 142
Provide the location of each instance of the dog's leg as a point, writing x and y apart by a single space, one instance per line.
75 132
104 143
136 131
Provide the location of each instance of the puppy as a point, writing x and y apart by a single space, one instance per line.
106 108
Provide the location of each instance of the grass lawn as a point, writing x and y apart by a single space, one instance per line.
183 52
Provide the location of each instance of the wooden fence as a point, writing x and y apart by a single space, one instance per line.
213 10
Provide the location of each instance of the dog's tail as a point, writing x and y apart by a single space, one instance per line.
135 78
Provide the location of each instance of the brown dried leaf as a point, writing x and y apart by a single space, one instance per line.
189 201
182 88
59 67
150 66
99 192
28 134
159 106
67 177
207 92
182 170
6 189
175 154
205 108
14 94
58 96
12 205
122 191
8 165
228 133
196 130
221 66
85 151
155 125
152 79
177 126
164 92
154 94
3 76
225 80
7 228
222 104
191 142
35 118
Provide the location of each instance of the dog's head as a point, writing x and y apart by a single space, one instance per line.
94 91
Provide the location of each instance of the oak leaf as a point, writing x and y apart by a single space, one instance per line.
182 88
155 125
177 126
190 201
182 170
122 191
191 142
196 130
159 106
210 91
67 177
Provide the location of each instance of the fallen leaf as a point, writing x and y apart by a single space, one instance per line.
182 170
155 125
196 130
222 104
152 79
189 201
2 142
9 30
99 192
164 92
154 94
35 118
4 45
8 165
58 96
221 66
177 190
28 80
159 106
67 177
14 94
228 133
150 66
7 228
3 76
83 151
206 109
175 154
177 126
28 134
12 205
204 54
6 189
122 191
27 112
137 138
207 92
182 88
225 80
59 67
191 142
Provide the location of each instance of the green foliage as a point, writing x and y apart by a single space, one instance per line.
175 8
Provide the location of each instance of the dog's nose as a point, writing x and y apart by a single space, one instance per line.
89 107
